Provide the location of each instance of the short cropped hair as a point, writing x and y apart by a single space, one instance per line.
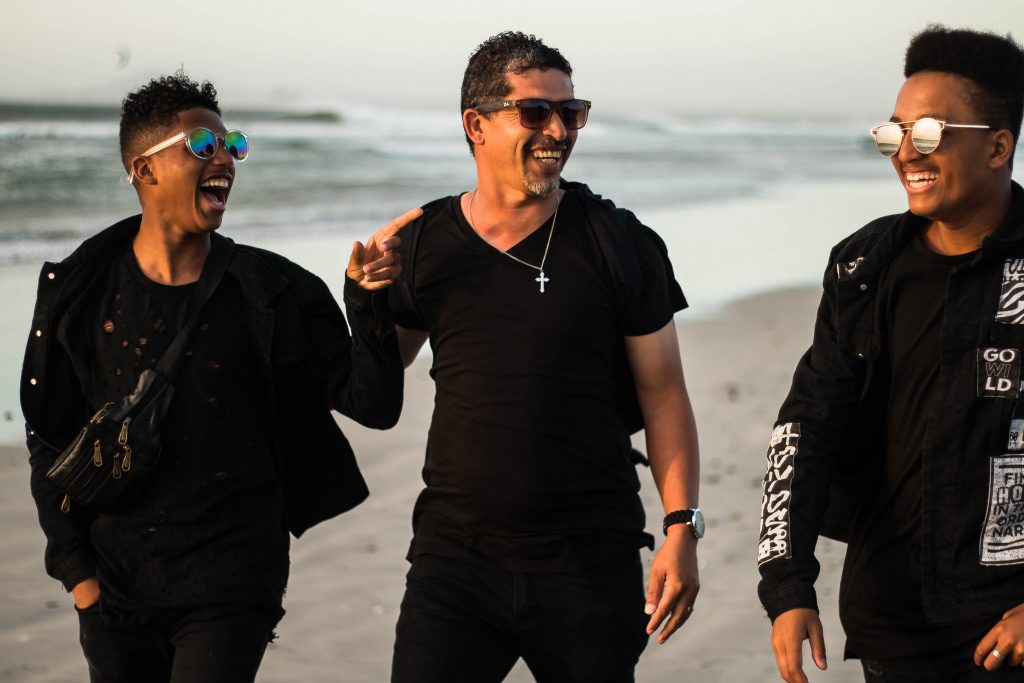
994 64
154 106
511 52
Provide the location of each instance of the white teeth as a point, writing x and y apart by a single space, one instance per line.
547 153
216 182
921 177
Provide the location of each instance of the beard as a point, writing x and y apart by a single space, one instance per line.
542 188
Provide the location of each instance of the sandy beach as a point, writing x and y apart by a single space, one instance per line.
348 574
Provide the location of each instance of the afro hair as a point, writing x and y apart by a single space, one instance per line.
993 63
154 106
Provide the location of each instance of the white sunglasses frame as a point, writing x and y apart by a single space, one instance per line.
904 128
174 139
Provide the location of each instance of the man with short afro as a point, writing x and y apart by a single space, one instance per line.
903 432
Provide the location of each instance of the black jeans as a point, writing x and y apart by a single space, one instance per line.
463 621
954 666
206 646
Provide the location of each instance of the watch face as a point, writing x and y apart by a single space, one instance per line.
698 523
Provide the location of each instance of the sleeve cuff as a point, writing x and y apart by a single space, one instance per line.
787 597
356 298
79 570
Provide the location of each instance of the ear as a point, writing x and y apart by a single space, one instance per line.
473 123
144 172
1002 149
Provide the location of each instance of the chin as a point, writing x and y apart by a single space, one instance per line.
922 207
209 223
542 188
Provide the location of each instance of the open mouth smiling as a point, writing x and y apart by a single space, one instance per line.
216 190
920 180
547 156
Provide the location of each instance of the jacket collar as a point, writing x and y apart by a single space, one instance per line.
259 281
106 242
1010 232
897 231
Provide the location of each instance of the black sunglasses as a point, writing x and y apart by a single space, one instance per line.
535 113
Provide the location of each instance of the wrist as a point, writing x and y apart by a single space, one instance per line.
689 520
680 534
356 295
86 592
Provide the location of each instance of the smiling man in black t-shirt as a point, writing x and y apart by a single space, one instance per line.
549 312
901 433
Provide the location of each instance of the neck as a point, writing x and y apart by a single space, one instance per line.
170 257
504 219
964 235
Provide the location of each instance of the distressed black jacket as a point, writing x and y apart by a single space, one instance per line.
307 358
829 437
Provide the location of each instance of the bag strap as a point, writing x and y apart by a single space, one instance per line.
213 270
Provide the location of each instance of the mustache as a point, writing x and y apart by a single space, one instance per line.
548 142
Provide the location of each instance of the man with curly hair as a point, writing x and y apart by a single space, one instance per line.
549 312
903 432
184 582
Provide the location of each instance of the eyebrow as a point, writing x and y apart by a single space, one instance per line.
932 115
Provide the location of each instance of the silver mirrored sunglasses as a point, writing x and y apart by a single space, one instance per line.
925 134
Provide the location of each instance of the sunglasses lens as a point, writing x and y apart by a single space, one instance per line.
888 137
237 144
926 134
202 143
534 113
574 114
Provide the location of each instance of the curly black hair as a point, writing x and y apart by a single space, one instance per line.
993 63
155 105
511 52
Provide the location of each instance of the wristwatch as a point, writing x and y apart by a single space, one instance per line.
692 517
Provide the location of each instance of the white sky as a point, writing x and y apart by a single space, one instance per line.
809 58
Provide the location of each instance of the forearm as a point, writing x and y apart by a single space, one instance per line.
69 556
671 437
669 426
372 392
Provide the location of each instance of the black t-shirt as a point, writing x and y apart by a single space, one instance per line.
881 604
208 528
527 458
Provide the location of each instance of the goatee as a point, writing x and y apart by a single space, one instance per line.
542 188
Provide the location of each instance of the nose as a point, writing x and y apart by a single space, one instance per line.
221 156
907 151
555 126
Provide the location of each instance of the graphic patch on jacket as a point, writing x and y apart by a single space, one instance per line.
1003 539
1011 295
776 492
999 373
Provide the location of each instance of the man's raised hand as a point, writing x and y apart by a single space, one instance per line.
375 265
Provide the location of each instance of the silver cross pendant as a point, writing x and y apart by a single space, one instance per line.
542 279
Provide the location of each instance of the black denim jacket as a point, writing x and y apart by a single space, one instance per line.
309 363
828 440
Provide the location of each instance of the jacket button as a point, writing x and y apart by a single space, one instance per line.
33 381
39 333
860 355
51 275
863 288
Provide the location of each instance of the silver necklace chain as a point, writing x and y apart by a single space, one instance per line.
543 279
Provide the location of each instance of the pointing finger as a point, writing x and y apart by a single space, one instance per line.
400 222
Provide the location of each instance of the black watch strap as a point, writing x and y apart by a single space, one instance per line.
677 517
